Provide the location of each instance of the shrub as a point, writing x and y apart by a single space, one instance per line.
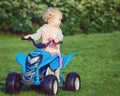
79 16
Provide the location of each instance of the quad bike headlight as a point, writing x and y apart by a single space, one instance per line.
33 60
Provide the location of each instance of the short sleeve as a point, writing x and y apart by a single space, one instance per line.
60 35
38 34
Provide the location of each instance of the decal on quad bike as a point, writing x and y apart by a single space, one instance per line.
32 62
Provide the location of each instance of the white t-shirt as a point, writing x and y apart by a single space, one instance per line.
46 32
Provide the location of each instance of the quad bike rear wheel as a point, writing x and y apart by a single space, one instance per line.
73 81
13 84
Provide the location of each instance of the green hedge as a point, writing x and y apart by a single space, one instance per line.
80 16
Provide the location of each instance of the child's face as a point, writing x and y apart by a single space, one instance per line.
57 21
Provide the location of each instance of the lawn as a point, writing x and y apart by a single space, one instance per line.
98 63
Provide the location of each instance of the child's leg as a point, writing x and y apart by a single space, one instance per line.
60 61
57 74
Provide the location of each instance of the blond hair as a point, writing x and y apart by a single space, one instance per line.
51 13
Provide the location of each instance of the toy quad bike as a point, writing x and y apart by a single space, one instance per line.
38 69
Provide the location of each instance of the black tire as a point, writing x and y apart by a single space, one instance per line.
73 82
13 84
50 85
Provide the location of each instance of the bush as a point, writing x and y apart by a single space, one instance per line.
79 16
19 16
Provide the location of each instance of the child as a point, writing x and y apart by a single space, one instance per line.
51 32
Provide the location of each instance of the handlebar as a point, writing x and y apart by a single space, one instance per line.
41 45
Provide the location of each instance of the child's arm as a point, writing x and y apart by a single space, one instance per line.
36 35
27 36
59 38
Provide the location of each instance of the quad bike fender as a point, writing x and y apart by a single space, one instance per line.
67 59
48 61
21 59
55 63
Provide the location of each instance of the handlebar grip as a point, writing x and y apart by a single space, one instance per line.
23 38
60 42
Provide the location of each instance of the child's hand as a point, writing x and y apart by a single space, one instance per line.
27 36
56 40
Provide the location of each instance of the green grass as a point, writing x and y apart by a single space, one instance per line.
98 63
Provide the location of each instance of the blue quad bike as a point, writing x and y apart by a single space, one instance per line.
38 71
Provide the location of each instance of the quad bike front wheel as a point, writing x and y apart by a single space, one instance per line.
13 83
73 81
50 85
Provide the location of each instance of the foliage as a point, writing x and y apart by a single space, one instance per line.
79 16
20 15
